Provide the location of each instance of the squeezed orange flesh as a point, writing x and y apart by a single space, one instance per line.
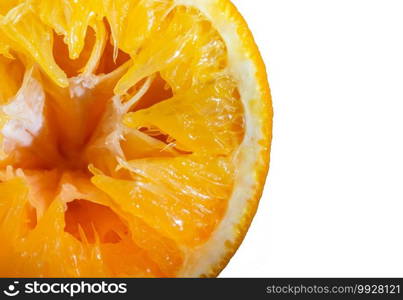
117 136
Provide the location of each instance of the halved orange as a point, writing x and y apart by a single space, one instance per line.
135 137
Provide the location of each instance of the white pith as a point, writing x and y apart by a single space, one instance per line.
243 69
25 113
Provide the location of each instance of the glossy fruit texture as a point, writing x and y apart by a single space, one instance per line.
135 137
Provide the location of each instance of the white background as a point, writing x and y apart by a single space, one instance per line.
333 204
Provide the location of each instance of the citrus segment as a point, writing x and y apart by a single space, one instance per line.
182 197
185 121
29 35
